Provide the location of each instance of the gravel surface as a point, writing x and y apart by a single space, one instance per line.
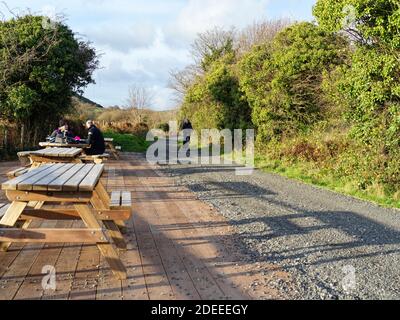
334 246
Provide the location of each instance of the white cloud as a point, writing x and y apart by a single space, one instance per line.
163 98
201 15
122 37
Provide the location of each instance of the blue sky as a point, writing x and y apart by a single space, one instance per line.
141 41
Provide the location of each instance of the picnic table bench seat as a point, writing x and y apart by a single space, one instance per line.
120 199
17 172
23 153
97 158
23 157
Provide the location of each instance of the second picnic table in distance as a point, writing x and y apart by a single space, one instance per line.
54 155
63 145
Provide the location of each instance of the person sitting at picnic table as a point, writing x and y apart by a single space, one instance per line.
95 139
62 131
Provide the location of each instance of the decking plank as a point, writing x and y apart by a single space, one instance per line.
85 281
196 272
31 288
15 275
66 266
134 287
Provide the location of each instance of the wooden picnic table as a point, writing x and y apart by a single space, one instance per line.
54 155
78 185
59 155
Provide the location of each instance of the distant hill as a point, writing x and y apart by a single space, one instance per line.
82 99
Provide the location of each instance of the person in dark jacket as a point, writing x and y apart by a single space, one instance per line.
186 125
95 139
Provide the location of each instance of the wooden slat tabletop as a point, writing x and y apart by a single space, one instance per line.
58 177
64 145
58 152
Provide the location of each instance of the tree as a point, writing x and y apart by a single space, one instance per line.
372 22
139 99
282 80
41 69
370 85
214 100
259 33
181 80
207 48
211 45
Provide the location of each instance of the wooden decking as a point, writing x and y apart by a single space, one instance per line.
178 248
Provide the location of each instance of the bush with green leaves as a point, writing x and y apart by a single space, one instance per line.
369 22
370 85
282 80
215 99
48 66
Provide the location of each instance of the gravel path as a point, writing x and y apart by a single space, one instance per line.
334 246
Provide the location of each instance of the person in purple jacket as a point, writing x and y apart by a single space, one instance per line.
62 131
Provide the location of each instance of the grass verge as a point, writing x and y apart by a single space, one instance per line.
311 175
128 142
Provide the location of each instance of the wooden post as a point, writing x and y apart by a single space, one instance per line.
22 136
5 138
35 136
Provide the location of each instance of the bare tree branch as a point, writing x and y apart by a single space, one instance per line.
210 41
259 32
181 81
140 97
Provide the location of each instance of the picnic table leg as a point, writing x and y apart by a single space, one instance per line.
115 153
35 165
106 249
113 150
10 218
23 224
112 228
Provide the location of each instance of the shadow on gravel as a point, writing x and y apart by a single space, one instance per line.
235 189
354 229
197 169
